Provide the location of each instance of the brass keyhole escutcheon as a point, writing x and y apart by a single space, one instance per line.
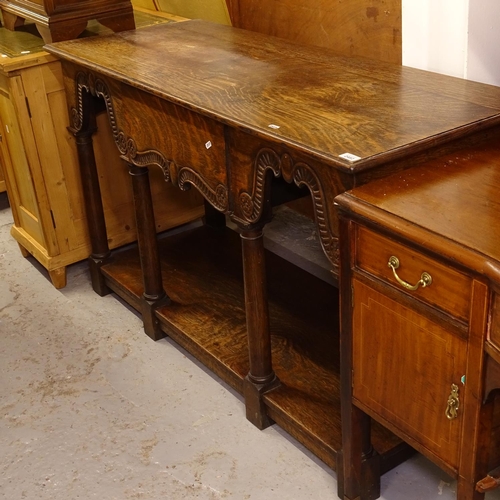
453 402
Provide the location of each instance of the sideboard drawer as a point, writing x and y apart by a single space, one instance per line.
450 290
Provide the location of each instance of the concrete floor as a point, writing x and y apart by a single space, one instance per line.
92 408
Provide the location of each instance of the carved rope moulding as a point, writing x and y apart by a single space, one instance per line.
127 147
251 204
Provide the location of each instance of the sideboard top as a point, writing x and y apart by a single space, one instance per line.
307 97
449 205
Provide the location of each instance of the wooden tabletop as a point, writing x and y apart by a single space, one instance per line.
450 206
323 104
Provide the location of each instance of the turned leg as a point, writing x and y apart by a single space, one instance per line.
261 377
58 277
94 210
154 295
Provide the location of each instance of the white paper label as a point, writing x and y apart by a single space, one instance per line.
272 125
208 144
350 157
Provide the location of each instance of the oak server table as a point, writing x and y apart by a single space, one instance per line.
250 120
420 308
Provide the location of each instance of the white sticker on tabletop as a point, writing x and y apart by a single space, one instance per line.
208 144
350 157
272 125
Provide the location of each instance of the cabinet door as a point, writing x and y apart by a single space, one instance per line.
23 199
2 176
404 366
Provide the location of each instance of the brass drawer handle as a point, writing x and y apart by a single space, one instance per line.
453 401
425 279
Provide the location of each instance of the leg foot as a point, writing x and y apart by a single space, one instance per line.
466 490
24 252
370 478
98 282
151 324
370 473
254 404
60 33
11 21
58 277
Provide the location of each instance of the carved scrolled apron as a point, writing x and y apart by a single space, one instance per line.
164 150
251 201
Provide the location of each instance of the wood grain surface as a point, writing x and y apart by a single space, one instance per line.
207 317
323 104
454 198
368 28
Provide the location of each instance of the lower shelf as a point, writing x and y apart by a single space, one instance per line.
202 274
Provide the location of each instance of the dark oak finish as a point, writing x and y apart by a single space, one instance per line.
403 350
238 115
154 295
207 300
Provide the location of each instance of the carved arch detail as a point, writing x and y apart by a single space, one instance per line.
303 175
127 147
218 197
251 204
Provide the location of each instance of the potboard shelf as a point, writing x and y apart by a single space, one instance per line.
206 316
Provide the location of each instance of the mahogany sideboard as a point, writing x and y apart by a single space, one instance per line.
250 120
420 318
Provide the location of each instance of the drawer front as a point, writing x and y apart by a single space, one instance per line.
450 290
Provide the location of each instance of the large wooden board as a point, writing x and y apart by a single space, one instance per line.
367 28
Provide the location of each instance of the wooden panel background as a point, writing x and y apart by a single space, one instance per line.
367 28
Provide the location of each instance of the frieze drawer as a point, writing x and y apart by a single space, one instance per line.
414 273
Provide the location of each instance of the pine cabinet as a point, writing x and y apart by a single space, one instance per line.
41 168
3 187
